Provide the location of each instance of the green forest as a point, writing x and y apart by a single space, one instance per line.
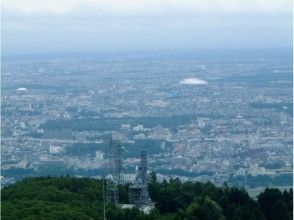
68 197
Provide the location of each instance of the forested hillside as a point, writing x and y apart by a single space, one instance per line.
82 198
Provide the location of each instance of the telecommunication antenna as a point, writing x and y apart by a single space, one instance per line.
139 194
114 168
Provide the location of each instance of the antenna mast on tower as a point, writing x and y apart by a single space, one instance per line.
114 168
139 191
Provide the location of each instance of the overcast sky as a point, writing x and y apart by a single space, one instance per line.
45 26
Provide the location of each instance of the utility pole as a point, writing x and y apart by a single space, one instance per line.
104 218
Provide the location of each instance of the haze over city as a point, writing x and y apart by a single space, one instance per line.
147 109
86 25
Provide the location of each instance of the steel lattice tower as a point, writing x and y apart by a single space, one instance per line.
114 168
139 191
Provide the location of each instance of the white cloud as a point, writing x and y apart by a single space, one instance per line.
94 24
151 7
31 6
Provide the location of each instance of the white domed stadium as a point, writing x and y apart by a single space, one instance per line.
193 81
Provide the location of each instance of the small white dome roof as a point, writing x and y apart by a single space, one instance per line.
22 89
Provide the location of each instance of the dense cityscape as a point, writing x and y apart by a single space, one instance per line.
219 116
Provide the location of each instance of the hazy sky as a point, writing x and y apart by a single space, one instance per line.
41 26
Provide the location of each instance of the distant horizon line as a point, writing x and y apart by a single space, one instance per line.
4 55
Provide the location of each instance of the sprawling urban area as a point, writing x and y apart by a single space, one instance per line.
219 116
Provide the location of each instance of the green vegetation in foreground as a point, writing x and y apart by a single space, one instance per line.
81 198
